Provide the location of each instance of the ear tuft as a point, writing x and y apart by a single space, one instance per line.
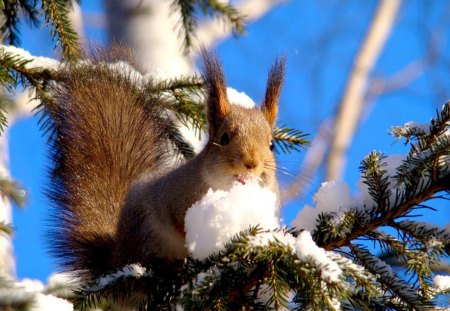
274 84
218 105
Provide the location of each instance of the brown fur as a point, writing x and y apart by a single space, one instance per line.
117 201
274 84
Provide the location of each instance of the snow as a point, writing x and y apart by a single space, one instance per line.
332 197
335 197
239 98
49 302
308 251
33 290
37 61
220 215
59 279
442 282
31 286
417 127
263 239
131 270
15 296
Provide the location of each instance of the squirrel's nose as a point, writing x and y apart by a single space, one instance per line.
251 164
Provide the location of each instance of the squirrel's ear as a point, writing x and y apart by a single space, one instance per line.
274 84
217 100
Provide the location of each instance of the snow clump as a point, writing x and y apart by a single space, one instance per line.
308 251
442 282
239 98
220 215
332 197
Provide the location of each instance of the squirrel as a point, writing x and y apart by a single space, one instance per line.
116 198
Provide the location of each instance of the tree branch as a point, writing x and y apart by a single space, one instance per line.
352 101
212 32
393 213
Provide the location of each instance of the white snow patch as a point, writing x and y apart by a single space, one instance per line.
332 197
442 282
263 239
29 289
220 215
308 251
60 279
15 296
416 126
335 197
239 98
131 270
49 302
37 61
31 286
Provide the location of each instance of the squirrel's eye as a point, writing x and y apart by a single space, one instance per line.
272 145
224 139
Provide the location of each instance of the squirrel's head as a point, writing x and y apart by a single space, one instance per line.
240 142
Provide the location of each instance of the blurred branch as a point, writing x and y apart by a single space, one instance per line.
351 104
399 80
212 32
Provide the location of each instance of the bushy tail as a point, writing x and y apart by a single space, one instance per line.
108 131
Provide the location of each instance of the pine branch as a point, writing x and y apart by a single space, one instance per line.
226 11
247 273
56 14
213 8
184 96
13 191
187 22
420 177
183 148
15 69
289 139
5 102
11 10
9 28
402 291
376 179
5 229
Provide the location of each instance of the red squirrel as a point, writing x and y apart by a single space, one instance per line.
116 199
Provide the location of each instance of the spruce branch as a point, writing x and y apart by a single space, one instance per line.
213 8
376 179
13 191
402 291
422 175
404 205
227 12
289 139
184 96
16 68
244 274
56 14
186 10
5 228
11 10
5 103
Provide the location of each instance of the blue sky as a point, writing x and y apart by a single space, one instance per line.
320 39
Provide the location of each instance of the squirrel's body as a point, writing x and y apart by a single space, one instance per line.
117 199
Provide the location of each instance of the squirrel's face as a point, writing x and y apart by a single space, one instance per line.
240 149
240 141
